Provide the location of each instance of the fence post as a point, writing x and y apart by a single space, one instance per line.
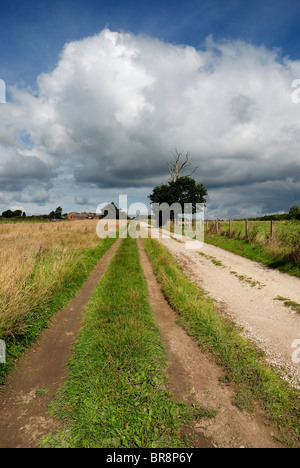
217 226
272 228
246 228
230 227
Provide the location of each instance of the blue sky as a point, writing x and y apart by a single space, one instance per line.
33 54
33 32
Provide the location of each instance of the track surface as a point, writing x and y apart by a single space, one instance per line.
23 419
246 292
194 378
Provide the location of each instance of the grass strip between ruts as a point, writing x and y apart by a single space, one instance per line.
243 363
115 395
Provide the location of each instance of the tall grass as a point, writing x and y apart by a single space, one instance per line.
281 251
42 266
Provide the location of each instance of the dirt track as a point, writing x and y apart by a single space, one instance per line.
194 378
246 292
23 403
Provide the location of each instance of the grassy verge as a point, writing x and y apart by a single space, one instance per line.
243 362
115 395
53 283
272 256
281 252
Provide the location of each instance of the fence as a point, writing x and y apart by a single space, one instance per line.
241 229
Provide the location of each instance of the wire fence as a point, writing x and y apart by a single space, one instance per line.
250 230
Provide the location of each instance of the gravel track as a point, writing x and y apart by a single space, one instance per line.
194 377
246 292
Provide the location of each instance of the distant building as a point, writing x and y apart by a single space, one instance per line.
79 216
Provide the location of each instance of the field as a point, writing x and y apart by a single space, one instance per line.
125 385
42 266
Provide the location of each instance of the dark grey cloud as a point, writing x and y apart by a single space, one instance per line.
249 172
18 171
256 199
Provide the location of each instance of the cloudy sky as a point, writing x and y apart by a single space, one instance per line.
99 93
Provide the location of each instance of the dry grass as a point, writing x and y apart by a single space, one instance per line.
34 259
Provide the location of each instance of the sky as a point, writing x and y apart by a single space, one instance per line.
101 94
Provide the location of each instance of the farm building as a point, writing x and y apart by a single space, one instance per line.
79 216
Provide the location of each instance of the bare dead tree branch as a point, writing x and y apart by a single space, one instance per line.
176 167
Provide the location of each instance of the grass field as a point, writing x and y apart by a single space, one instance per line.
42 267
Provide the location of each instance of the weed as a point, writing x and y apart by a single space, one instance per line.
42 391
288 303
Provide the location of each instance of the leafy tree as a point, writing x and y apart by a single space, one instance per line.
111 211
57 214
8 214
295 212
11 214
179 191
18 213
182 191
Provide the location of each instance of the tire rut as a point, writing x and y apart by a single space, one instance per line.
195 378
42 370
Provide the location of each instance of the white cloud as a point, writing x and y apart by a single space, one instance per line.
117 104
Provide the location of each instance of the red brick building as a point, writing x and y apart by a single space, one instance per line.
80 216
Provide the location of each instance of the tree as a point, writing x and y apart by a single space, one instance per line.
111 211
11 214
295 212
8 214
18 213
182 191
176 167
57 214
